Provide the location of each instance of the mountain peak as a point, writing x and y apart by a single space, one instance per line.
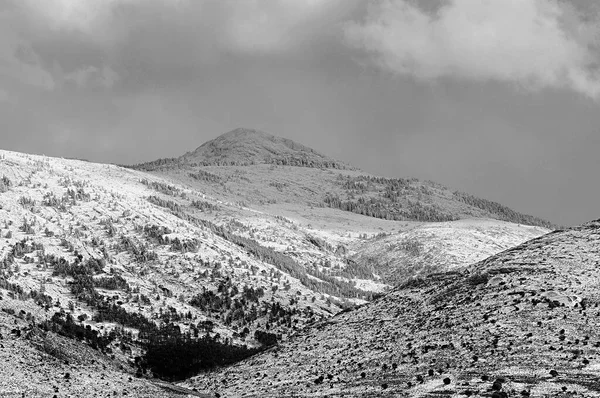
244 146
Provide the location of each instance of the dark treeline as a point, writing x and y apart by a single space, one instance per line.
204 205
161 187
173 356
168 204
400 199
154 165
297 161
386 209
65 325
503 212
201 175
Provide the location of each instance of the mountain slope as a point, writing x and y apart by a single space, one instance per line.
438 247
524 321
192 259
257 168
43 364
242 147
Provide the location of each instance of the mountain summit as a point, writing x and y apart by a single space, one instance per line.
247 146
349 189
244 147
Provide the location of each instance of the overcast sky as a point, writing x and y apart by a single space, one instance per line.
498 98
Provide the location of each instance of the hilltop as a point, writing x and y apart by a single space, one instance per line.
523 322
243 147
257 168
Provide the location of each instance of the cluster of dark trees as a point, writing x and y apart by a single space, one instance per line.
184 245
265 338
173 355
201 175
161 187
242 308
156 233
154 165
303 161
139 251
228 299
503 212
5 184
390 191
298 161
83 284
65 325
25 246
115 282
388 209
203 205
51 200
167 204
78 195
26 201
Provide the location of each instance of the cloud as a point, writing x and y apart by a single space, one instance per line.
91 76
534 43
18 61
278 25
135 43
4 96
249 25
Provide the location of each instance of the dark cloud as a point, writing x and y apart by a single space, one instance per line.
131 80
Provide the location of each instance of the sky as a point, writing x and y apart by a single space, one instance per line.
497 98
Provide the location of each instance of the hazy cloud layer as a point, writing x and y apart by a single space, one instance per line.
535 43
126 81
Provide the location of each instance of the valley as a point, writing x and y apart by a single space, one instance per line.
228 252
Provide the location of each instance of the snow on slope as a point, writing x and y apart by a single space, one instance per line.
434 247
524 322
71 207
112 195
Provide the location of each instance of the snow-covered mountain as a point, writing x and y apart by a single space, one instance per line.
237 256
523 322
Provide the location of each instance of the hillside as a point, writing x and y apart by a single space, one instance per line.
523 322
438 247
37 363
175 271
132 256
257 168
243 147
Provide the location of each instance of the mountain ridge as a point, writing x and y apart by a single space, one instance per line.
522 322
231 159
243 147
144 258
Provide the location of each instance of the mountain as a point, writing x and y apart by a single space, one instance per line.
243 147
183 268
257 168
438 247
38 363
523 322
